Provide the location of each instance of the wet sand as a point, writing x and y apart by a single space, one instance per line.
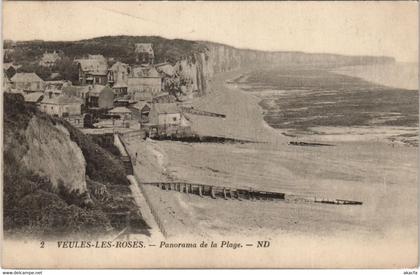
382 176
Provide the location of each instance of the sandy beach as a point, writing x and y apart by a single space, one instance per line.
383 177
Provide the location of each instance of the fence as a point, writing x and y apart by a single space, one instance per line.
153 210
120 138
134 134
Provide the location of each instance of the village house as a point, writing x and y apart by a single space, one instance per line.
144 83
10 69
34 98
164 98
144 53
165 114
81 92
117 78
122 112
167 119
49 59
93 70
166 69
27 82
61 106
101 97
144 109
55 88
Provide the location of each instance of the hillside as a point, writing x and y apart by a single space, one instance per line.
57 181
195 60
117 47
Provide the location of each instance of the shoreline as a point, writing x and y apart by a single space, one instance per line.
244 115
385 74
391 135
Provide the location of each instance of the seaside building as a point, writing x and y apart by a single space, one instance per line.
55 88
34 98
165 69
118 77
122 112
144 53
49 59
27 82
165 114
144 82
101 97
10 69
81 92
61 106
93 70
164 98
167 119
144 109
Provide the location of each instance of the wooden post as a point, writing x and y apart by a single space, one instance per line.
213 195
200 190
224 194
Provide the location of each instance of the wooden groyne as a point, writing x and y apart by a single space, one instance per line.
125 158
243 194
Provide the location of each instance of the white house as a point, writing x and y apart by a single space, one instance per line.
61 106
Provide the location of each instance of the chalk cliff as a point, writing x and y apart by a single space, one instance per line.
199 67
57 181
52 153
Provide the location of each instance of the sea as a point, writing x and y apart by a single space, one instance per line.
370 103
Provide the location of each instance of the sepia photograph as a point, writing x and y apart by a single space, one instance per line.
210 134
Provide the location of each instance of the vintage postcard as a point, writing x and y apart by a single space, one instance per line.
210 134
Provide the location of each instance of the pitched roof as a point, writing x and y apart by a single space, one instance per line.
144 48
96 56
62 99
120 84
118 65
142 71
120 110
140 105
166 68
166 108
94 66
10 64
33 97
75 90
97 89
26 77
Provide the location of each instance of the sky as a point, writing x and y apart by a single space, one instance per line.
353 28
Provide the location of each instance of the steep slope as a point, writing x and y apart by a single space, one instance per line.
52 153
57 182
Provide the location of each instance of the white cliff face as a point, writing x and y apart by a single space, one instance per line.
53 154
198 68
